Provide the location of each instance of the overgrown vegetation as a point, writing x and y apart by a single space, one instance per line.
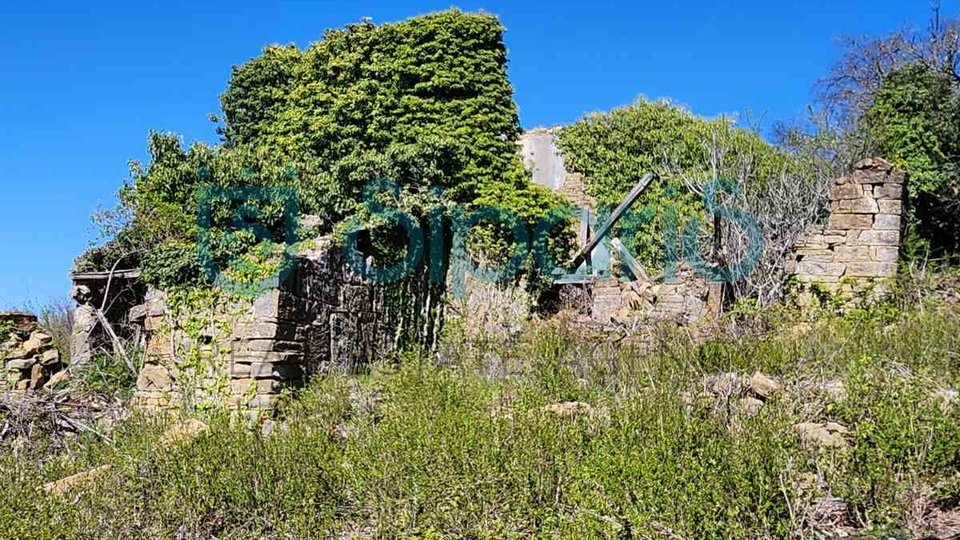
782 192
468 448
896 97
424 102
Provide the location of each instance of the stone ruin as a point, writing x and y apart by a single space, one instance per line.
602 299
29 358
323 318
851 254
858 247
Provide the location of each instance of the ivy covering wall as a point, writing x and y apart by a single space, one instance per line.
423 102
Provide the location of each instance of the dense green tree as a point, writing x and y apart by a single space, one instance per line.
915 122
423 102
614 150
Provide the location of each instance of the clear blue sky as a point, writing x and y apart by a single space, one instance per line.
83 82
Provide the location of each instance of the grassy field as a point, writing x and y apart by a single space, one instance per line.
555 434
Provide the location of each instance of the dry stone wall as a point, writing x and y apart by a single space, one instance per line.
859 245
28 356
323 318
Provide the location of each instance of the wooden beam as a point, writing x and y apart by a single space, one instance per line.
102 276
614 217
632 263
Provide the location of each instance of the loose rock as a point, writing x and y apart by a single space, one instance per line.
830 435
763 385
183 432
65 484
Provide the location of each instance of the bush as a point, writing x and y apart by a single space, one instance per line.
468 450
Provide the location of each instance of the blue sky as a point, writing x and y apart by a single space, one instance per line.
83 84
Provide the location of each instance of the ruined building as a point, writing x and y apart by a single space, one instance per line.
324 317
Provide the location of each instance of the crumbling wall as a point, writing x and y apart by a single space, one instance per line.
609 299
859 245
29 359
324 317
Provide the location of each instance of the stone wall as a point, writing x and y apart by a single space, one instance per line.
30 361
323 318
859 244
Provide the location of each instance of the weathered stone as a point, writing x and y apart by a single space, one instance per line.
890 206
723 384
263 401
751 406
154 377
823 436
763 385
871 269
879 238
50 357
888 191
887 222
34 345
11 343
57 378
856 206
183 433
261 370
569 409
268 357
879 164
846 191
22 363
242 386
38 377
821 269
814 278
885 253
64 485
850 221
269 386
852 253
835 390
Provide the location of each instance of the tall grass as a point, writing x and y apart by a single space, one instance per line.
469 448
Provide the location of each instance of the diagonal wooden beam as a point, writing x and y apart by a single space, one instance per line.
614 217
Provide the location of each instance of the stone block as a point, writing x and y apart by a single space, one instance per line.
50 357
821 269
154 377
865 269
852 253
263 401
21 363
880 238
888 191
887 222
809 278
846 191
269 386
268 357
888 206
862 205
260 370
850 221
827 257
885 253
267 345
241 387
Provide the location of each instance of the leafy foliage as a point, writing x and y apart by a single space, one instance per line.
423 102
915 120
614 150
